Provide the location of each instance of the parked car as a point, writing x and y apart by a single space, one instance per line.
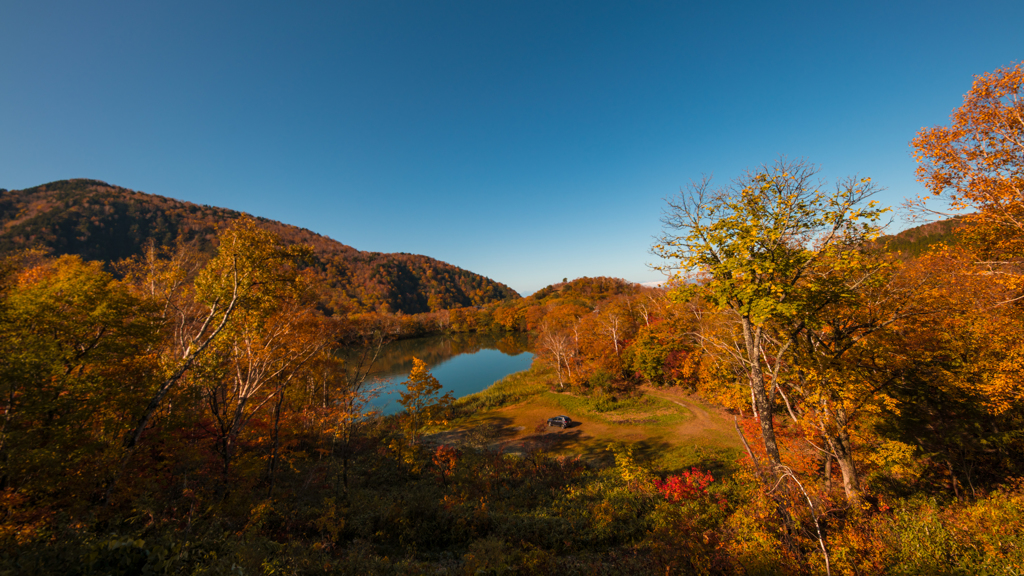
563 421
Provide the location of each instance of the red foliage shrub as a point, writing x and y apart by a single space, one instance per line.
690 485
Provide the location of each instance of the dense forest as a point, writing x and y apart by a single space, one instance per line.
197 409
98 221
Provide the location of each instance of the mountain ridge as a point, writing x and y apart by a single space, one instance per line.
101 221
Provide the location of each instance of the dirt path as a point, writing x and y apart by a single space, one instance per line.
708 424
699 413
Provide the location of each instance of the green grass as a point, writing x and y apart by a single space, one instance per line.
642 410
675 458
661 449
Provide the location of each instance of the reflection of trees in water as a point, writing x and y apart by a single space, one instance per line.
396 357
513 343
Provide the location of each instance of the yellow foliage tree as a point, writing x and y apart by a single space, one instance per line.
423 406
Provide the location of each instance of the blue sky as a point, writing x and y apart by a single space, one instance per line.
526 141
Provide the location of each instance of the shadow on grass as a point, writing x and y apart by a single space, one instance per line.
487 431
721 462
664 458
545 442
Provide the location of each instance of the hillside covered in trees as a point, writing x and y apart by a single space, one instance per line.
98 221
919 239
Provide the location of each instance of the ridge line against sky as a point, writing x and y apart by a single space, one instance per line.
525 141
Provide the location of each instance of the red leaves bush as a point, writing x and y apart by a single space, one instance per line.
688 486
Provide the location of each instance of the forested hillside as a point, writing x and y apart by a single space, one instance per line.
98 221
917 240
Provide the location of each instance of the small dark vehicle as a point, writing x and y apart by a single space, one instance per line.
563 421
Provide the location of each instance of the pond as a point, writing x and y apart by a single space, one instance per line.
463 363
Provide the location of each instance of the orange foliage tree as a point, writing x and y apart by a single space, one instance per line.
978 160
978 163
423 403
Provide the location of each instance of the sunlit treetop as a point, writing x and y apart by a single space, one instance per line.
977 162
757 243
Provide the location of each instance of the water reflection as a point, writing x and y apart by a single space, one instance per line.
463 363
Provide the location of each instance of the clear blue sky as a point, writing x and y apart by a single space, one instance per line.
526 141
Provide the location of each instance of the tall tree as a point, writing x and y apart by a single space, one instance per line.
559 340
365 337
844 364
250 270
760 249
977 162
260 356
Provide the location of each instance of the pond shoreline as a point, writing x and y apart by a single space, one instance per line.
464 363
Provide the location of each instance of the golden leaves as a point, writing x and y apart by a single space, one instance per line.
976 161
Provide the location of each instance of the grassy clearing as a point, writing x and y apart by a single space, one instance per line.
642 410
673 458
669 431
538 381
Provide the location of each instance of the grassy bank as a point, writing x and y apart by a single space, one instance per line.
509 390
645 410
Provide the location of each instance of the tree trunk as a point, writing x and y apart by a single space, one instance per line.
851 484
189 358
272 466
828 473
762 408
843 451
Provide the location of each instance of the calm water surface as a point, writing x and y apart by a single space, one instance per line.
462 363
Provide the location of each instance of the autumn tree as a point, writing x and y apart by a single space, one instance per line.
363 338
558 347
977 162
845 362
75 363
423 403
608 330
251 265
559 340
760 248
662 353
961 396
261 356
272 334
510 316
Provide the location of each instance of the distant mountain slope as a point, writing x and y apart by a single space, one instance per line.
914 241
99 221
